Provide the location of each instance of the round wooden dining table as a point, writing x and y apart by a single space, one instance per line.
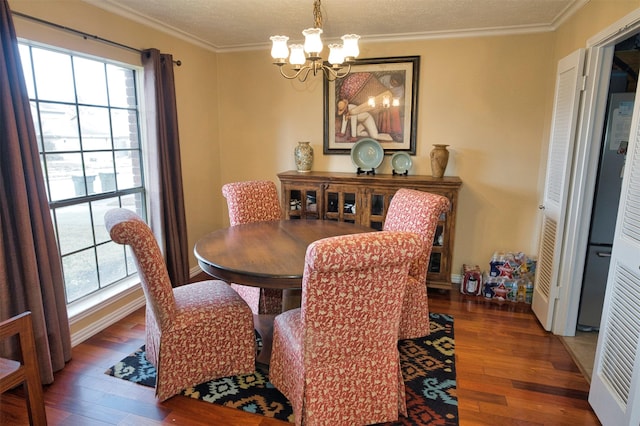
265 254
268 255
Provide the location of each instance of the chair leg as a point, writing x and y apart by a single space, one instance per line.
32 382
35 400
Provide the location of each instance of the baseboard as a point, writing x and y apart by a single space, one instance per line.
105 314
194 271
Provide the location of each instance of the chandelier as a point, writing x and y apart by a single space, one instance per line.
305 59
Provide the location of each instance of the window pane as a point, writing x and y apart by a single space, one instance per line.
100 165
25 58
59 127
75 230
112 265
54 79
65 176
98 209
36 124
125 128
121 87
91 83
133 202
128 166
95 128
46 177
80 274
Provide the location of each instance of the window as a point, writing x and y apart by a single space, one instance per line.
86 117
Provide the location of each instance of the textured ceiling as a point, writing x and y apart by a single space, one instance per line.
240 24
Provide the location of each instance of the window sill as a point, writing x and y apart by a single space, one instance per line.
94 313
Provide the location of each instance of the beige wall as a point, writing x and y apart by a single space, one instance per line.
588 21
486 97
489 98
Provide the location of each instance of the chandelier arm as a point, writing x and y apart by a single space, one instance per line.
340 73
345 73
330 74
294 75
333 74
302 78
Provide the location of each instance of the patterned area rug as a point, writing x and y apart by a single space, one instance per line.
427 364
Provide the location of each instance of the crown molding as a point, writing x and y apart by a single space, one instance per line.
135 16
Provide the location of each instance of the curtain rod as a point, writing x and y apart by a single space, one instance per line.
82 34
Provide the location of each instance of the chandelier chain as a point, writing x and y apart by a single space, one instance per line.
317 14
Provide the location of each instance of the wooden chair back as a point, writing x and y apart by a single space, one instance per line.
25 370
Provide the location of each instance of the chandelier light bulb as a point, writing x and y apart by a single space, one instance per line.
297 57
350 46
312 41
336 57
279 49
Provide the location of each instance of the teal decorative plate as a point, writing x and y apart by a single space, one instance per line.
401 162
367 154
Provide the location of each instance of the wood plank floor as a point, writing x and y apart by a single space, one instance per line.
509 372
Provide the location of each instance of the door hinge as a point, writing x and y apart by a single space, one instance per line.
584 83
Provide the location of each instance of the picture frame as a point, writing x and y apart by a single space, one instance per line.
384 94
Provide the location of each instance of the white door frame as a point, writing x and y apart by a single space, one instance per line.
600 49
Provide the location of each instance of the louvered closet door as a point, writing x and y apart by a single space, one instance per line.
569 82
615 384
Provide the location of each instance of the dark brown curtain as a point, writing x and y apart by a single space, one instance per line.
30 270
166 170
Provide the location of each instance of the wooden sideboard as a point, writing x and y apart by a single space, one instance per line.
364 199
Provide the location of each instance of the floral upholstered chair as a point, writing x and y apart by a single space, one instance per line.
336 357
248 202
418 212
194 333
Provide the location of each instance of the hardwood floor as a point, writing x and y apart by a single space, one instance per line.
509 372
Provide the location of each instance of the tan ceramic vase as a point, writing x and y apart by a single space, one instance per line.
439 159
303 154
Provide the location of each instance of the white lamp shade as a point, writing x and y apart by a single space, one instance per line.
335 54
297 55
312 41
279 49
350 45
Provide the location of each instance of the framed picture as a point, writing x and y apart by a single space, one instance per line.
378 100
